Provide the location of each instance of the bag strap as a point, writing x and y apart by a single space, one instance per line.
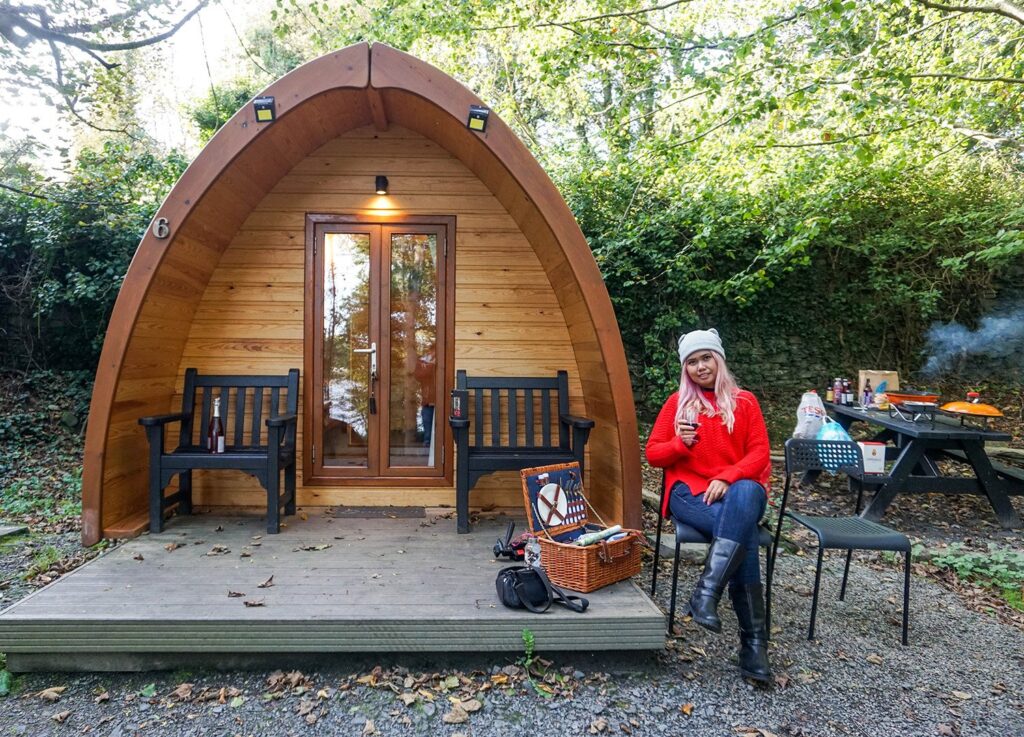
519 586
571 601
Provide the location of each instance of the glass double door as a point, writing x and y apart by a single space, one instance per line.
379 336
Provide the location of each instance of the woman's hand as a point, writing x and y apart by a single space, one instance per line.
716 490
687 432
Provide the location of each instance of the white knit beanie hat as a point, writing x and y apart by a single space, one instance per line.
700 340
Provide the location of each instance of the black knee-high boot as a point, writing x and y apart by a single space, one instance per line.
748 602
724 557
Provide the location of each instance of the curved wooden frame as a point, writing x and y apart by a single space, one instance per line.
358 85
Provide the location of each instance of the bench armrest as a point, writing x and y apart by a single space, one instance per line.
583 423
157 420
281 420
458 424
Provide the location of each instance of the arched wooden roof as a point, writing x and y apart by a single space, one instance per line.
356 86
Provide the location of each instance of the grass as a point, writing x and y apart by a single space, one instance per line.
41 562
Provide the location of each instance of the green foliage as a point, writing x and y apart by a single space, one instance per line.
1001 568
41 562
65 251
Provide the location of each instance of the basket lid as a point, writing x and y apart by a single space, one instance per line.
553 496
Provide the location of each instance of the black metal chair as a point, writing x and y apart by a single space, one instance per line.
838 533
687 534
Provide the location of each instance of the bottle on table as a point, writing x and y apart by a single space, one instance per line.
868 395
215 430
830 392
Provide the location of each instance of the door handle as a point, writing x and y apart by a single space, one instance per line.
372 350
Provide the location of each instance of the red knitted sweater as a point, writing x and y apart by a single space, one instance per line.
717 454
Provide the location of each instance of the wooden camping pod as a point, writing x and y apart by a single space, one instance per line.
227 289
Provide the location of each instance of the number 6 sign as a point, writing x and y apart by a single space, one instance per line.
161 228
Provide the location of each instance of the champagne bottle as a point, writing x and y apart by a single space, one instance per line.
215 431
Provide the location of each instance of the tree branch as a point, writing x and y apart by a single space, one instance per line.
603 16
1000 7
837 141
10 20
966 78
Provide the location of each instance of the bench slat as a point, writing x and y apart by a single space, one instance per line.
513 434
257 415
478 416
240 393
528 401
495 418
545 417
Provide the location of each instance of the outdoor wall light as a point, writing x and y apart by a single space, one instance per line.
381 185
477 118
264 109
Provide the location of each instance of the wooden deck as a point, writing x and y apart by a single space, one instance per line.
340 584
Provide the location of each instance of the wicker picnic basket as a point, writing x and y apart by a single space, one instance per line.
580 568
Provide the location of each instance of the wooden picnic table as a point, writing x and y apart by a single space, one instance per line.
915 447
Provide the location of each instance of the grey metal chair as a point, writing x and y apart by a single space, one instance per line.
684 533
838 533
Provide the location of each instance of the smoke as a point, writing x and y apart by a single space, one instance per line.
997 346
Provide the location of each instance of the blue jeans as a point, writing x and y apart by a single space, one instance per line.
733 517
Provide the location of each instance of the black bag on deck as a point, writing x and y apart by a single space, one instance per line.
525 587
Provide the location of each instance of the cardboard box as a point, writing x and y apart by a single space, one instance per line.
874 456
876 377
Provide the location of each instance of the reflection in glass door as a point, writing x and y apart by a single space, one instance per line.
347 351
378 336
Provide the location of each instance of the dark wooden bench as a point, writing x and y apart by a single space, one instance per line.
509 425
245 401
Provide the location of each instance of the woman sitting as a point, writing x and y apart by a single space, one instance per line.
711 439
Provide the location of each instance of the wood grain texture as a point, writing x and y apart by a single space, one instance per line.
529 298
373 586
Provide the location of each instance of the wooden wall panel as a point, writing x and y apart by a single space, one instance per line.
507 318
155 337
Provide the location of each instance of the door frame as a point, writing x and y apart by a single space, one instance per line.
445 348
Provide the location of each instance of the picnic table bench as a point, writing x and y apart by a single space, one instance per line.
244 401
517 414
916 448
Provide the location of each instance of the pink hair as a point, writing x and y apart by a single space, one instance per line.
692 401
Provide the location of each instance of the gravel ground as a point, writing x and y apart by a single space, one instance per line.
963 674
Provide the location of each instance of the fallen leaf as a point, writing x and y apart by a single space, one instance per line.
946 730
52 693
255 602
245 554
876 659
962 695
171 547
237 701
235 594
266 584
218 550
457 715
183 692
599 725
305 707
321 546
102 698
148 691
219 528
138 556
687 709
60 716
472 705
782 680
408 698
369 728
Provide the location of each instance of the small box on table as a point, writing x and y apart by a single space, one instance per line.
558 513
874 456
